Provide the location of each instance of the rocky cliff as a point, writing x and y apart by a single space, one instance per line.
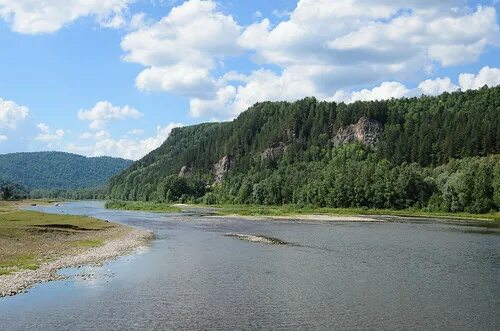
221 168
365 131
274 152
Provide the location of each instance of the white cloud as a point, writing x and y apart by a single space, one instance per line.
264 85
3 138
181 79
328 48
381 33
104 111
123 147
34 17
486 76
181 48
384 91
437 86
47 135
421 37
11 114
261 85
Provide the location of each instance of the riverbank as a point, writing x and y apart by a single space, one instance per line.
355 214
34 245
141 205
301 213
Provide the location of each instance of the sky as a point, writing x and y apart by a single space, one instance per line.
114 77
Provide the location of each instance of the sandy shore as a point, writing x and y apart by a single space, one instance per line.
306 217
20 281
328 218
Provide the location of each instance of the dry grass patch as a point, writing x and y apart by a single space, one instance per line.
28 238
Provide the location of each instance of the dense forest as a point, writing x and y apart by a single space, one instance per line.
436 153
46 173
12 191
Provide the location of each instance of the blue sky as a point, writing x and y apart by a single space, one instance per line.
115 78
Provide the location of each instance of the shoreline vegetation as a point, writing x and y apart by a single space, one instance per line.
291 211
140 205
35 245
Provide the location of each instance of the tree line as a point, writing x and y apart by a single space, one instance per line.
435 153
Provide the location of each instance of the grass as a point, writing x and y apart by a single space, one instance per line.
141 205
29 238
290 210
14 263
89 243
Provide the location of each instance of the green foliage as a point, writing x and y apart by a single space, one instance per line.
47 171
140 205
496 185
12 191
435 153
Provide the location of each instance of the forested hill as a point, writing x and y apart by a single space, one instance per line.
429 152
58 170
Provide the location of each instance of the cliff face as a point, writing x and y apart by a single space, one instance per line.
274 152
221 168
183 172
365 131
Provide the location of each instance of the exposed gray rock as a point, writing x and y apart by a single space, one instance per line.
184 171
365 131
274 152
221 168
257 238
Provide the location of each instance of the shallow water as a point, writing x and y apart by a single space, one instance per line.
394 275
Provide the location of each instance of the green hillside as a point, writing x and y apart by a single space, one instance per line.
436 153
57 170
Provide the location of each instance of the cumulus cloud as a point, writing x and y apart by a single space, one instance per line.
124 147
385 91
327 48
181 48
382 33
35 17
3 138
182 79
265 85
104 112
46 134
437 86
486 76
11 113
261 85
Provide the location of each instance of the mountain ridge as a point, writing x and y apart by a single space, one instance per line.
399 153
50 170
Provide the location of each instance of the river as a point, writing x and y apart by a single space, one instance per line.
333 275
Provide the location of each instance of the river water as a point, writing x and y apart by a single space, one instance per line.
338 275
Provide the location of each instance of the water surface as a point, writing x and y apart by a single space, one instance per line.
394 275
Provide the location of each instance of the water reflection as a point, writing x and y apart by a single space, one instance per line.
392 275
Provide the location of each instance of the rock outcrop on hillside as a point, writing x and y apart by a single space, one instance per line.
365 131
274 152
221 168
184 171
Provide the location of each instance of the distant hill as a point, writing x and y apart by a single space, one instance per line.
58 170
437 153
